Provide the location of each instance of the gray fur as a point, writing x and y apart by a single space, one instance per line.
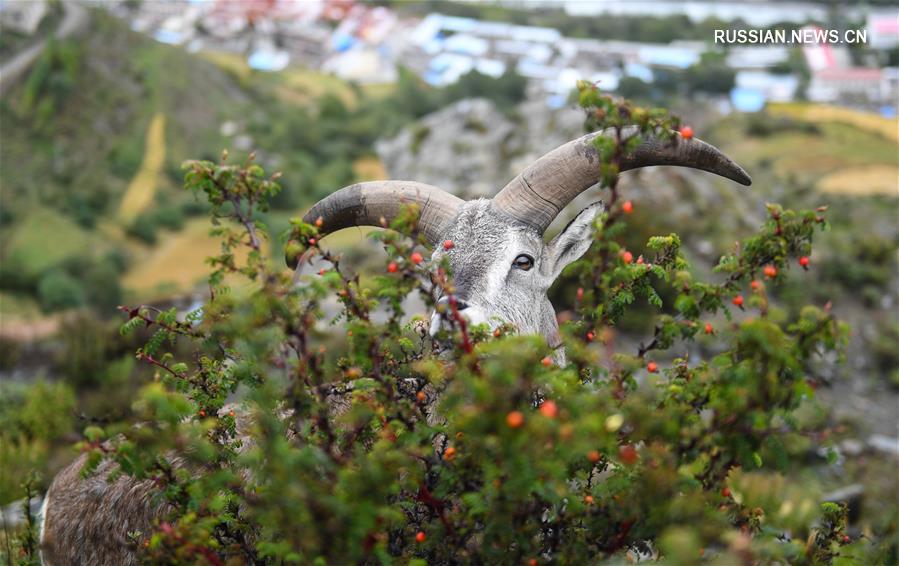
485 244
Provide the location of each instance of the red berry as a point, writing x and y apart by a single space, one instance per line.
588 499
594 456
311 241
627 206
416 258
549 409
392 267
580 293
627 257
321 271
652 367
515 419
686 132
770 271
725 491
708 328
202 413
230 413
546 361
319 222
449 454
640 259
628 454
448 245
755 284
738 300
590 336
497 333
420 537
846 539
804 261
532 562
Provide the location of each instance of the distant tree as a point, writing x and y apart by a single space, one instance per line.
57 290
632 87
711 75
102 288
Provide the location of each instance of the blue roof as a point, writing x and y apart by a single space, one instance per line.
747 99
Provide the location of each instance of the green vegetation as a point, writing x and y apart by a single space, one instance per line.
706 458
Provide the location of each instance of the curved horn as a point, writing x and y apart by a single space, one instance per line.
540 192
365 204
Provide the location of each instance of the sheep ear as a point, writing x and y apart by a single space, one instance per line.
574 240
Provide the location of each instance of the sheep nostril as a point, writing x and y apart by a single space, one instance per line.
445 304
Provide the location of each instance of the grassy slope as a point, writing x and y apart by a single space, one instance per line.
137 110
812 158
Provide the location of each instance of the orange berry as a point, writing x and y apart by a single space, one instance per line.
549 409
652 367
686 132
627 257
515 419
421 397
725 491
448 245
588 499
627 206
738 300
532 562
594 456
590 336
497 333
420 537
546 361
449 454
770 271
319 222
755 284
202 413
416 258
392 267
321 271
708 328
230 413
804 261
628 454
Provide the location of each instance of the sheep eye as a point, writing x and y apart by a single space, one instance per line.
523 262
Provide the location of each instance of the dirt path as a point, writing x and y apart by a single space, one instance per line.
142 190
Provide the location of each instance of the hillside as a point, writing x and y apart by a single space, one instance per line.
93 140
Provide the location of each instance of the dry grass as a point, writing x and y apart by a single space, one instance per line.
176 264
142 188
870 180
369 169
887 127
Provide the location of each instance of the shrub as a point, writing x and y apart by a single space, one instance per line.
144 228
169 217
615 452
32 417
102 287
57 290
